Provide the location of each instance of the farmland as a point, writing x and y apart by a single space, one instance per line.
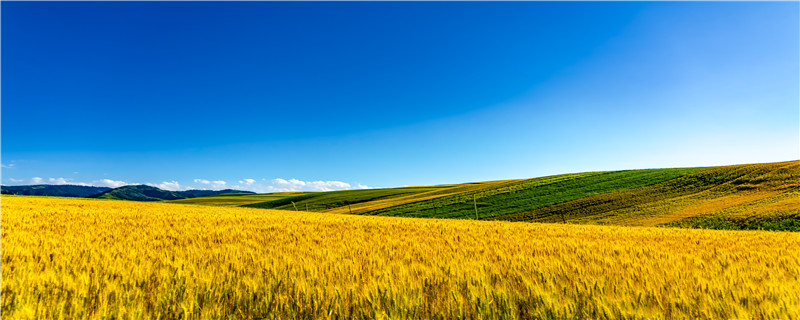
236 199
99 259
740 197
758 196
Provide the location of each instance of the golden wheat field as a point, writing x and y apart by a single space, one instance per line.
105 259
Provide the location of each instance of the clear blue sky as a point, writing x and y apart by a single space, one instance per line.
343 95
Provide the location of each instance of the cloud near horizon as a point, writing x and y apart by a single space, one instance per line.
217 184
167 185
110 183
248 184
61 181
298 185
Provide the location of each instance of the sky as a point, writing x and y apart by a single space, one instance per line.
277 96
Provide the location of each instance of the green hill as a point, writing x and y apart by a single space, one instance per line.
147 193
321 201
209 193
751 196
755 196
140 193
235 199
63 190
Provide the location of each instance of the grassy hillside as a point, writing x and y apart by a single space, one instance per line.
532 194
321 201
64 190
755 196
83 259
150 193
425 194
140 193
236 199
752 196
209 193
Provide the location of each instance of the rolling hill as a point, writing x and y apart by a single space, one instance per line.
65 190
139 193
148 193
207 193
235 199
750 196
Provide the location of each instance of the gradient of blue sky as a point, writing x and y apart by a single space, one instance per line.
391 93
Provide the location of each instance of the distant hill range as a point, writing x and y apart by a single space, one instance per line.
132 192
63 190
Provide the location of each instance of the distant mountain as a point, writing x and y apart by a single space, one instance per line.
148 193
140 193
132 192
63 190
205 193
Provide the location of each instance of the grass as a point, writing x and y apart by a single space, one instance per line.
753 196
532 194
321 201
98 259
236 199
719 193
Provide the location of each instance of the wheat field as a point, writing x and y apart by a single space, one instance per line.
105 259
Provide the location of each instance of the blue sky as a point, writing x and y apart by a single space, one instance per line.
271 96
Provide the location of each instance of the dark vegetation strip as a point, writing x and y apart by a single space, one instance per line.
789 222
534 193
665 197
319 201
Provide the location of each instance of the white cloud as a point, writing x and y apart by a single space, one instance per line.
66 181
167 185
261 185
217 184
281 185
8 166
109 183
57 181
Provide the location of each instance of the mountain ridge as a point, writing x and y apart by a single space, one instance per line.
138 192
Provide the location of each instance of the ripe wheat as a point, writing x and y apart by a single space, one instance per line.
100 259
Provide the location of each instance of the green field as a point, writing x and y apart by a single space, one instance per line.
322 201
752 196
759 196
236 199
532 194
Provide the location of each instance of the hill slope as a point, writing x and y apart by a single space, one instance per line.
65 190
751 196
208 193
235 199
140 193
137 192
147 193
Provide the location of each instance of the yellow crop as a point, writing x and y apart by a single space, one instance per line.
101 259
